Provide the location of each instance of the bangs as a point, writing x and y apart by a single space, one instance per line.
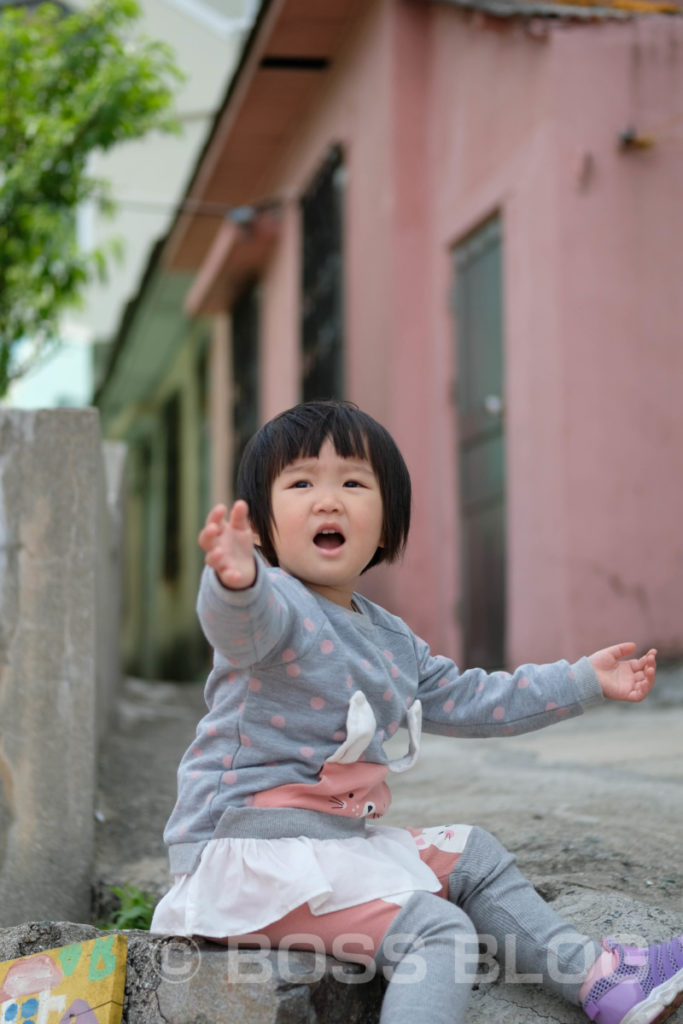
302 437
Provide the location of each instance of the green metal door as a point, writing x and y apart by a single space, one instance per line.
478 300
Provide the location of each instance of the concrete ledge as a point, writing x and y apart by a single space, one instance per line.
49 481
60 501
181 981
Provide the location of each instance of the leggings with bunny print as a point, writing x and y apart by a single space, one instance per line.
429 948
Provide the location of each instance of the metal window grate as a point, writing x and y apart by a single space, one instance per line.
245 371
322 322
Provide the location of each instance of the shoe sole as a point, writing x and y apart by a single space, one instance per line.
662 1001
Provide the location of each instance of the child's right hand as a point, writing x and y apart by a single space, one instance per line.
229 545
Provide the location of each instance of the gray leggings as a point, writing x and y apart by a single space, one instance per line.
431 951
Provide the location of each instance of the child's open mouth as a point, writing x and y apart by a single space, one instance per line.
328 540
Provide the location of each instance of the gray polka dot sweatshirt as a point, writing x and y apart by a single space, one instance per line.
301 686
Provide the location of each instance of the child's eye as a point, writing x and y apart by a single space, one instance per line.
353 483
301 483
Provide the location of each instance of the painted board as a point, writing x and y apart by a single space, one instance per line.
78 984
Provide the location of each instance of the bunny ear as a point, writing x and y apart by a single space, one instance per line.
360 729
414 726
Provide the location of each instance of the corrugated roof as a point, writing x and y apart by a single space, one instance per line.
582 10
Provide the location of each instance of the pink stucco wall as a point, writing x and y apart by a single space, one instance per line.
445 120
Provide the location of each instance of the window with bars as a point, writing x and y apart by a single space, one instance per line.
322 323
245 371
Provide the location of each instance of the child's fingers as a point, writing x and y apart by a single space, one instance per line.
212 526
647 662
217 514
239 516
622 650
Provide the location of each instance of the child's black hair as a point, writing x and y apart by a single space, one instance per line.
299 433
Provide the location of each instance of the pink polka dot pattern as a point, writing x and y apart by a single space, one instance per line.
317 703
227 761
388 695
239 641
395 671
197 752
448 706
278 721
255 685
389 655
233 677
307 751
212 730
182 830
443 682
339 736
365 663
195 775
392 727
499 713
293 670
552 706
289 655
246 742
308 625
522 683
349 682
326 646
480 686
229 778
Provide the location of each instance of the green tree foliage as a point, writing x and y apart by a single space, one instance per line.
70 85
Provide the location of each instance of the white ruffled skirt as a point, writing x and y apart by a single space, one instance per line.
243 885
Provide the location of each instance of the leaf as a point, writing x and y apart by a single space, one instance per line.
70 85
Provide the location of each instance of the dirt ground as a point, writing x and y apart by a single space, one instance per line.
595 803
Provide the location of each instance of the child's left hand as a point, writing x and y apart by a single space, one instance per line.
624 680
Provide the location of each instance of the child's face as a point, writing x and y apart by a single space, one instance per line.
328 516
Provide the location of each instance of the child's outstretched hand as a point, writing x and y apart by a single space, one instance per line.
624 680
229 545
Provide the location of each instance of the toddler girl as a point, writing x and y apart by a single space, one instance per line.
273 834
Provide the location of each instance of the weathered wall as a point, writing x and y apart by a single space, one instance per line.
53 528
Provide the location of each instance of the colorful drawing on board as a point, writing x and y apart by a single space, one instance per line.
78 984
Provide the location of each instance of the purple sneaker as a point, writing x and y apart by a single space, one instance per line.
645 988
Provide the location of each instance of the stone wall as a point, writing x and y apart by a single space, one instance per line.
54 543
